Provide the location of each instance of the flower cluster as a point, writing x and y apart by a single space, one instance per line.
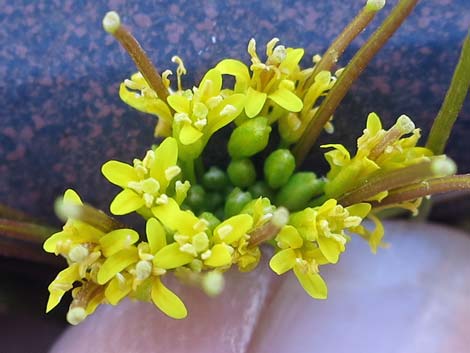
202 219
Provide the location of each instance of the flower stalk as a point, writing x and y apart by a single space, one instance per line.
352 71
453 102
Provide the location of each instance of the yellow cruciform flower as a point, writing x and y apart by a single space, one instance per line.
378 149
273 80
145 184
137 93
201 112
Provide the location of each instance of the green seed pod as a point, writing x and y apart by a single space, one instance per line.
211 218
299 190
236 201
241 172
261 189
215 179
249 138
196 198
278 167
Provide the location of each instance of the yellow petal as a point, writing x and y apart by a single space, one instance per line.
117 289
330 248
189 134
216 121
235 68
166 156
171 256
174 218
117 240
179 103
119 173
233 228
211 84
287 100
289 236
167 301
291 60
126 202
71 196
116 263
220 256
360 210
312 283
61 284
156 235
254 102
373 123
283 261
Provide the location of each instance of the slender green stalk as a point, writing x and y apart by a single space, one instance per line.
453 102
339 45
425 188
398 178
112 24
25 231
352 71
87 214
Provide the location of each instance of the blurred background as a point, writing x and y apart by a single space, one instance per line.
62 118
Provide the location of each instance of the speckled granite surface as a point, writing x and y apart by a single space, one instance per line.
61 117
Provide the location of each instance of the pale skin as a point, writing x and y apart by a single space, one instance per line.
411 297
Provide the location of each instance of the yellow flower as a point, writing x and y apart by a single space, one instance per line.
87 250
201 112
133 272
327 223
273 80
293 124
137 93
146 183
378 149
301 256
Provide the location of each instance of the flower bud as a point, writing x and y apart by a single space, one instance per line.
278 167
236 200
249 138
215 179
196 197
241 172
299 190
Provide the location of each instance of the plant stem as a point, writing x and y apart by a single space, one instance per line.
352 71
339 45
453 101
429 187
112 24
87 214
396 179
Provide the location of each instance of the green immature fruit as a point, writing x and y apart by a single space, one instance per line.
278 168
215 179
299 190
249 138
241 172
236 200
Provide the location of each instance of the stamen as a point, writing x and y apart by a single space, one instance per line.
143 269
172 172
225 231
270 229
78 253
112 25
